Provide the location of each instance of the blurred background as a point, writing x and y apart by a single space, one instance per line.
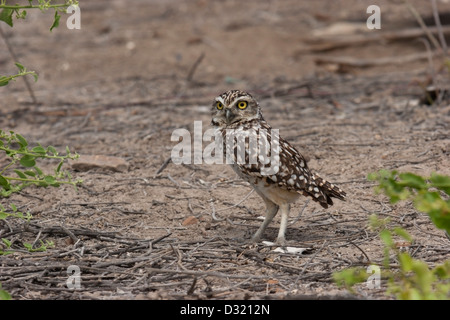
219 44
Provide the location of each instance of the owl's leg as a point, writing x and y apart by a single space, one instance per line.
271 211
284 208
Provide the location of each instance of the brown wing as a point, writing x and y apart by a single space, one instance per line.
288 170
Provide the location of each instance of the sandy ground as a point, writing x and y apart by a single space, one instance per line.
123 83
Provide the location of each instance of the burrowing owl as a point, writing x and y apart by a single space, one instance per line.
273 167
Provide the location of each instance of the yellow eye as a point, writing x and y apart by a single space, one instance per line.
242 104
219 105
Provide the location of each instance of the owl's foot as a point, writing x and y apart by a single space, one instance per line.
281 241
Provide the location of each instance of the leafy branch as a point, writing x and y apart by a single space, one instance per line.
412 278
424 192
20 13
16 148
4 80
15 213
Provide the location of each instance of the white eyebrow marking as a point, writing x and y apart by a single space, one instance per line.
219 99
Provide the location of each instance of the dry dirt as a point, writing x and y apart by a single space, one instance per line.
123 83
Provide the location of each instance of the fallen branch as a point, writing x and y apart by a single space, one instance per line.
363 63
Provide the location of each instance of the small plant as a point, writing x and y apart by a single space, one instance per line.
7 245
4 295
349 277
414 279
15 213
22 155
16 147
425 193
43 247
4 80
19 11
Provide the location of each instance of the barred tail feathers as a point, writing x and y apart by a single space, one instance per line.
326 189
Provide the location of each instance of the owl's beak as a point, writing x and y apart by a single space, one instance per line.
229 115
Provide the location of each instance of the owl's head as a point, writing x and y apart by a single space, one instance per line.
234 107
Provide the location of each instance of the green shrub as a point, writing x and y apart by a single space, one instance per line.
21 170
414 279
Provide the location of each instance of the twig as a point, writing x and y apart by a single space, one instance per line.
13 55
311 259
423 25
301 212
437 20
367 257
362 63
163 166
194 67
213 213
70 234
192 287
209 274
159 239
173 180
326 43
36 239
179 256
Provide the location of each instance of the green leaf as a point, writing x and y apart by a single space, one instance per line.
437 208
20 174
6 16
441 182
443 271
4 295
386 236
58 169
376 223
350 277
372 176
52 150
7 242
403 233
13 207
39 149
4 81
38 171
30 173
405 261
4 183
50 179
22 141
411 180
27 161
20 66
55 21
22 14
